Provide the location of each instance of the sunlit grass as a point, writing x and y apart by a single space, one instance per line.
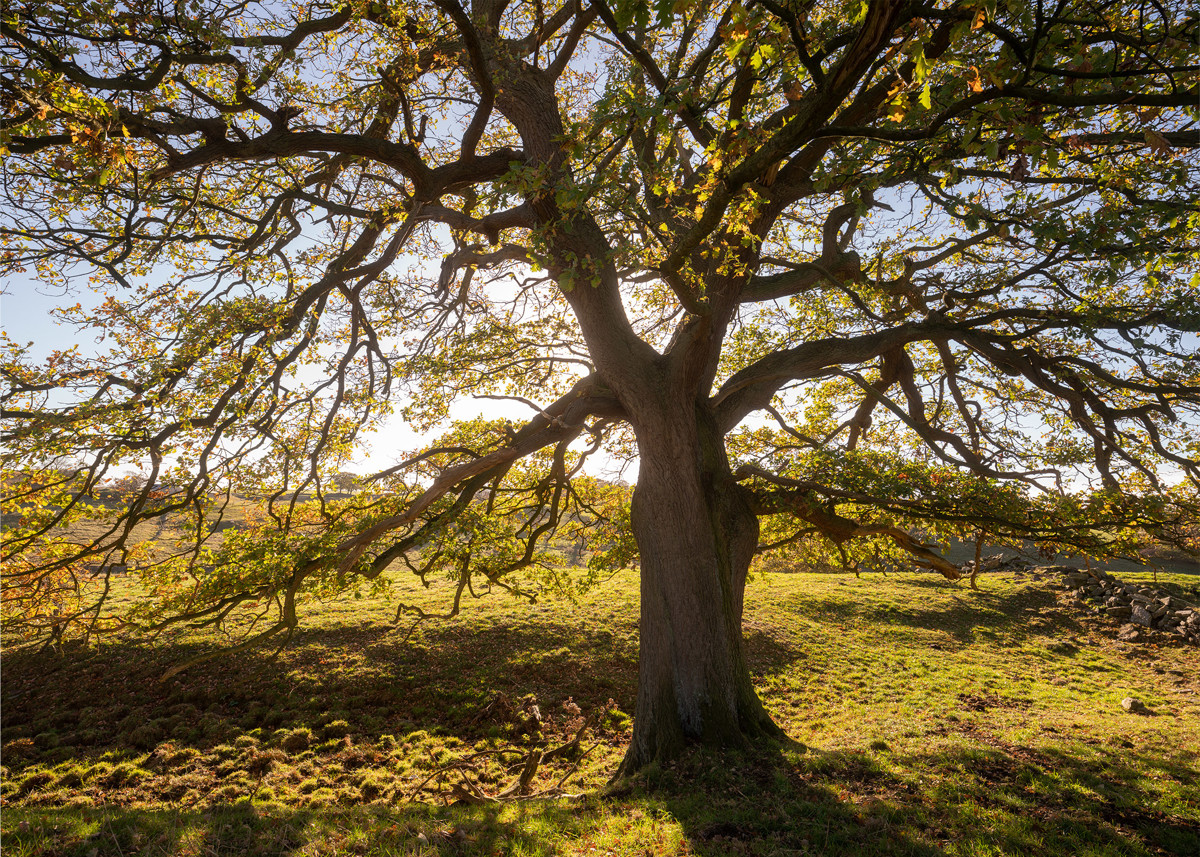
924 718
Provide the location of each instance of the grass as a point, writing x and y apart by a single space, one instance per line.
924 719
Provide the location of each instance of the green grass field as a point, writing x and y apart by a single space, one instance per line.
924 719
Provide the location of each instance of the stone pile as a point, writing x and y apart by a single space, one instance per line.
1140 608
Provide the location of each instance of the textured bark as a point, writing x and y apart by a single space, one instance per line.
696 535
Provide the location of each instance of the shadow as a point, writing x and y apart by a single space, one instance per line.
781 800
368 679
964 617
365 682
774 800
999 799
1054 802
767 652
273 831
92 728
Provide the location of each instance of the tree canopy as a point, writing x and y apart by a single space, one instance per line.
845 276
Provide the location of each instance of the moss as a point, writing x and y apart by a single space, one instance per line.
321 796
71 779
374 786
34 781
147 736
123 775
297 740
335 729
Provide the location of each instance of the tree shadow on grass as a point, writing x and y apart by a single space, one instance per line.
774 801
965 617
367 677
367 680
1055 802
974 798
367 683
1012 800
257 830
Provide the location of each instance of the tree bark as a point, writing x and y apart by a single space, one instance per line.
695 530
696 535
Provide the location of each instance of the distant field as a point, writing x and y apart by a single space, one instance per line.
925 719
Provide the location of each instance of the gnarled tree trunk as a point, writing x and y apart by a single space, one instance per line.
696 535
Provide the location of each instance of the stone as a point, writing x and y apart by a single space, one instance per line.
1139 607
1129 634
1133 706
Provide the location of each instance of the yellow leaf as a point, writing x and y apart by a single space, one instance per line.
980 19
974 82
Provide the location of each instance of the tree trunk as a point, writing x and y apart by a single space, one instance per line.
696 535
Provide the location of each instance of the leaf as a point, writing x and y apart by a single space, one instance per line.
733 48
926 98
973 80
762 53
920 64
980 19
1157 142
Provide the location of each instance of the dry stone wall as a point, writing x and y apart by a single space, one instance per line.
1143 610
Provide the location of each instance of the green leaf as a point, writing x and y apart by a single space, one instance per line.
920 65
925 98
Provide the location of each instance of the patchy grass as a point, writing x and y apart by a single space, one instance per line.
925 719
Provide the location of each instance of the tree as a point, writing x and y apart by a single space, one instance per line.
860 270
346 481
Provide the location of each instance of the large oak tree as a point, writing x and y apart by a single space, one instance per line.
856 271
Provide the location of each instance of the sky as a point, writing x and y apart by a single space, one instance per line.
26 306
